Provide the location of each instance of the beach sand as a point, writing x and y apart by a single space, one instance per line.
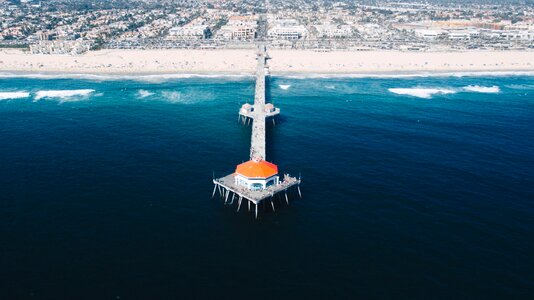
132 61
396 61
242 61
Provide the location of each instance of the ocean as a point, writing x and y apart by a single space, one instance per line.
418 187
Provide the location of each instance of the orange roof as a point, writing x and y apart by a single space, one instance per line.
257 169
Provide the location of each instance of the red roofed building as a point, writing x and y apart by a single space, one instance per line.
256 175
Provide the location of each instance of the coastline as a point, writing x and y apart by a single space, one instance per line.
160 77
241 62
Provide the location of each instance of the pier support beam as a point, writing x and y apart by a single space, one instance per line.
214 190
239 203
272 204
287 200
257 210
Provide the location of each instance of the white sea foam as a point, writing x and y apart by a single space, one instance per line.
521 86
482 89
414 74
64 95
144 93
186 96
284 86
172 96
156 78
421 92
13 95
151 78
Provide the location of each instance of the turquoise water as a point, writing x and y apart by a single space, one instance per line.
415 187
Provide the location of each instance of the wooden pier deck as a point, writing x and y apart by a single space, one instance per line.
255 197
257 144
257 113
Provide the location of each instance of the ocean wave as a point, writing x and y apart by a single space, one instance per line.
521 86
172 96
13 95
157 78
482 89
64 95
404 74
186 96
284 86
150 78
421 92
144 93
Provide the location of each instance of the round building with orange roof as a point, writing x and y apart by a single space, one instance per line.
256 174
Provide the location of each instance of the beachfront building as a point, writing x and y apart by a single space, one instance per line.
459 34
287 29
256 175
331 31
60 47
429 34
189 32
239 28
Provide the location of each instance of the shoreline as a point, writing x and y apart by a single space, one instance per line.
284 63
292 75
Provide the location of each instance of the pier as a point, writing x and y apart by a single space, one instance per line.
257 181
258 112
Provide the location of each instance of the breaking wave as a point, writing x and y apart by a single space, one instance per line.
405 74
421 92
144 93
482 89
521 86
150 78
186 96
63 95
172 96
284 86
13 95
157 78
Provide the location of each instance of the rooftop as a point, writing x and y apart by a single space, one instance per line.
257 169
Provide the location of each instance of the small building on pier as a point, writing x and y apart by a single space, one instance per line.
246 109
256 175
269 108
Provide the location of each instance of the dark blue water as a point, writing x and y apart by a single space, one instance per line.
108 194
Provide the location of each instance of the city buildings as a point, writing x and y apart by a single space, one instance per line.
287 29
235 23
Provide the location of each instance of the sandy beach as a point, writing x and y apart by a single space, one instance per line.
242 61
395 61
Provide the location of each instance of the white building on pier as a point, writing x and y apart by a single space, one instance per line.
256 175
